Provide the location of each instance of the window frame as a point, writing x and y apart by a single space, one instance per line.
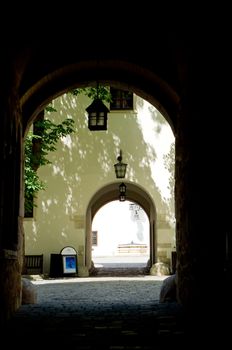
94 238
120 102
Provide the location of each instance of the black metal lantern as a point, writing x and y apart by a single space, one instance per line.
122 192
97 119
120 168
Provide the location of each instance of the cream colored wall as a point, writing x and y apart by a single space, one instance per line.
84 162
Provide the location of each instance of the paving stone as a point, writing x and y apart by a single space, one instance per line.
98 313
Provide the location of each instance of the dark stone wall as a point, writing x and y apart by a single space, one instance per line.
201 195
10 282
11 228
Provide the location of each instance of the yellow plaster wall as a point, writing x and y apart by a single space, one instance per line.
84 162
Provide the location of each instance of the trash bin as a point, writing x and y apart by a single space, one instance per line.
56 268
69 261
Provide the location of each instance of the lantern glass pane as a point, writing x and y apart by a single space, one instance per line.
93 121
122 198
100 121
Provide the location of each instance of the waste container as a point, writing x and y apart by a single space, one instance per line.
56 268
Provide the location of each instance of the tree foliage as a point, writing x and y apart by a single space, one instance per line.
43 139
38 144
101 92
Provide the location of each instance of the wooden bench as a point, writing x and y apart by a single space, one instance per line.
33 264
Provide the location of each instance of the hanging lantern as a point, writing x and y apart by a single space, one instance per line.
97 115
120 168
122 192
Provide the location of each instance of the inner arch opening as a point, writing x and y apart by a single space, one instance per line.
120 236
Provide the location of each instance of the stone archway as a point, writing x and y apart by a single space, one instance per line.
27 97
119 74
109 193
186 60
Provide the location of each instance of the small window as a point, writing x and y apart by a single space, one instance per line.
29 207
94 238
121 99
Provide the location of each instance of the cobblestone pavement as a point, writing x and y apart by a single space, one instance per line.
98 313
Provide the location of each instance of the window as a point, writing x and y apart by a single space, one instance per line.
121 99
29 207
94 238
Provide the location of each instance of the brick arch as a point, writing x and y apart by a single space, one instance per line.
108 193
120 74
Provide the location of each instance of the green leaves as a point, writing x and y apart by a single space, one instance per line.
50 108
51 133
37 148
44 140
102 92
